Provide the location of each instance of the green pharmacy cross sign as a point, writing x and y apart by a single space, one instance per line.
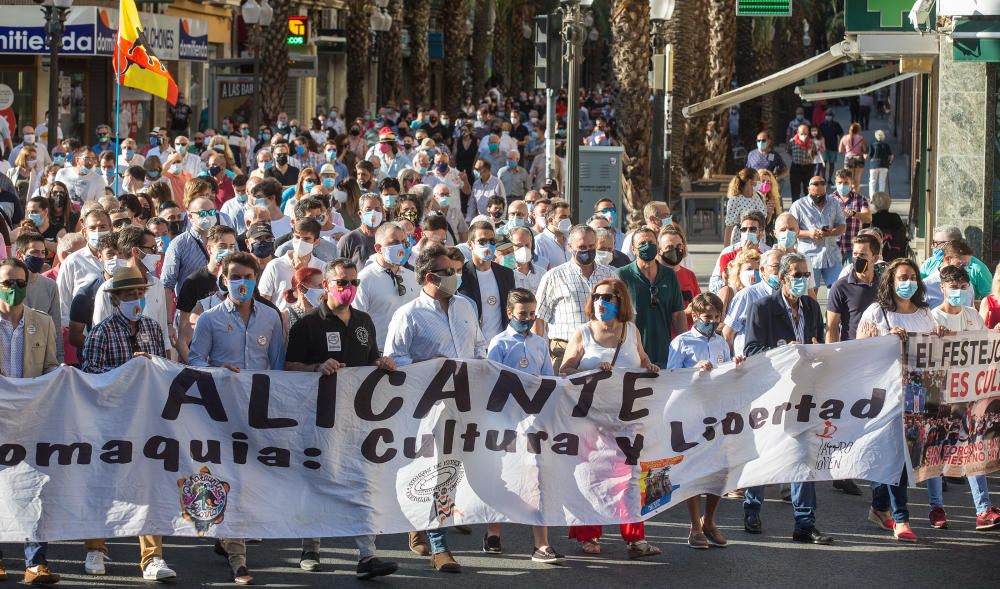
877 15
763 7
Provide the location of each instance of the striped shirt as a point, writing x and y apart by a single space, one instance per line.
563 295
481 193
185 255
12 348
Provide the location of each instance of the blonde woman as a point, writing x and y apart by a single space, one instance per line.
742 272
220 145
742 198
26 172
770 190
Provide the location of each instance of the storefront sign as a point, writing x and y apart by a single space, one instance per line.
298 30
91 31
6 96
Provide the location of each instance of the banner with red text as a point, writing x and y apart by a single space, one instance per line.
159 448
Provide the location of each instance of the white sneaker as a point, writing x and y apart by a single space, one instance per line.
158 570
94 565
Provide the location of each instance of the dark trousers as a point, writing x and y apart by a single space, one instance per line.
798 179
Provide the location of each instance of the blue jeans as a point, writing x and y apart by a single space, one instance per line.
34 554
885 496
977 486
803 503
826 276
438 539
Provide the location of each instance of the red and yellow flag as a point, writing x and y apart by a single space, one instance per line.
134 63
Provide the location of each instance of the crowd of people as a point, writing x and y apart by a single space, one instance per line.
415 235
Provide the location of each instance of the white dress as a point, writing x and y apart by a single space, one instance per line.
594 353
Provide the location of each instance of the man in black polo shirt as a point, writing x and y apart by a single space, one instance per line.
283 171
332 336
202 284
853 293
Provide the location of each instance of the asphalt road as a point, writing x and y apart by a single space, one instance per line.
861 556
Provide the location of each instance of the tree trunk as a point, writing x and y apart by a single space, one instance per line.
501 44
357 53
420 61
516 45
747 71
678 35
764 35
480 46
631 55
696 131
273 64
722 48
789 38
392 79
455 54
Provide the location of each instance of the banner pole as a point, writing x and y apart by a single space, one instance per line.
118 101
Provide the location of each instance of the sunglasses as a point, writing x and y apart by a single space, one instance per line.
343 283
444 272
607 297
400 287
801 275
12 283
121 223
746 229
203 214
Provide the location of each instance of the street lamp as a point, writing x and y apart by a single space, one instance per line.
55 24
259 17
660 11
574 33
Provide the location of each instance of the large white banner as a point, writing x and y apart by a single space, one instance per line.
159 448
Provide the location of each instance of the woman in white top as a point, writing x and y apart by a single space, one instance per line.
742 198
899 308
609 339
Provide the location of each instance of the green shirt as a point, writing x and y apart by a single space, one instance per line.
655 305
979 274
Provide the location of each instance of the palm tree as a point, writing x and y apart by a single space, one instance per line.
392 54
516 45
455 53
420 61
630 56
747 68
274 63
480 44
721 57
763 50
695 57
357 53
501 42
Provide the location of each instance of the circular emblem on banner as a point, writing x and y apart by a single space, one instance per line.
262 340
442 477
491 300
203 499
362 335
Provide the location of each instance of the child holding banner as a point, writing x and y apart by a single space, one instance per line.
518 348
702 348
956 317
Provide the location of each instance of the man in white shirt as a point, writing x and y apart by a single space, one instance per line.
28 138
137 246
82 265
81 179
437 324
443 173
452 213
157 147
485 282
191 164
276 278
485 186
552 243
386 285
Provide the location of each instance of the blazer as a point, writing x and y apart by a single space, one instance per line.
768 323
470 288
39 344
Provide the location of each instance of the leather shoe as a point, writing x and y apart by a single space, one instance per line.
811 535
444 563
751 523
418 543
848 487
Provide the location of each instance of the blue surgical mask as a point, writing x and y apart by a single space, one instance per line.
521 325
329 183
773 282
799 286
750 237
905 289
787 239
241 197
389 200
668 220
331 154
308 185
843 189
761 144
511 164
956 298
605 310
35 218
706 329
260 202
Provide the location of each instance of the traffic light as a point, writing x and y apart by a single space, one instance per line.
548 51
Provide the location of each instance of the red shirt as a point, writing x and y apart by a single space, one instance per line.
993 314
225 192
689 288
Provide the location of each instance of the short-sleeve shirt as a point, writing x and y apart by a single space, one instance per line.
850 299
320 335
200 284
823 252
770 160
654 305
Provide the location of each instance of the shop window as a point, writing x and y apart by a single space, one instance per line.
22 84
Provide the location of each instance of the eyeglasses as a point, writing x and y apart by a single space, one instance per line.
818 183
121 223
801 275
342 283
607 297
12 283
746 229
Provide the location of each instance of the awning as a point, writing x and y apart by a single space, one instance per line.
837 54
851 81
855 91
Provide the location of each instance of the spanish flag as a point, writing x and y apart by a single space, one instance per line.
135 65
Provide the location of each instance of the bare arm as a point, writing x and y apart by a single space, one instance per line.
678 323
573 355
832 327
865 215
730 334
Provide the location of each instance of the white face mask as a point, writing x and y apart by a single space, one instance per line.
111 265
301 247
340 196
313 295
523 255
150 261
565 226
604 257
748 277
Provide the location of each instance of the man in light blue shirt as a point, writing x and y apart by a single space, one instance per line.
734 326
187 252
821 222
437 324
485 186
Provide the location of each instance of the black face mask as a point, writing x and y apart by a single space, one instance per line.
355 132
672 257
175 227
282 159
860 265
818 199
262 249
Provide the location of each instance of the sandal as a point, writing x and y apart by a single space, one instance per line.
590 547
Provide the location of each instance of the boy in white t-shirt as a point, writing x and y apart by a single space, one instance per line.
956 314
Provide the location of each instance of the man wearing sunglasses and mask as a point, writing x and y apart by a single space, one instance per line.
821 222
436 324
